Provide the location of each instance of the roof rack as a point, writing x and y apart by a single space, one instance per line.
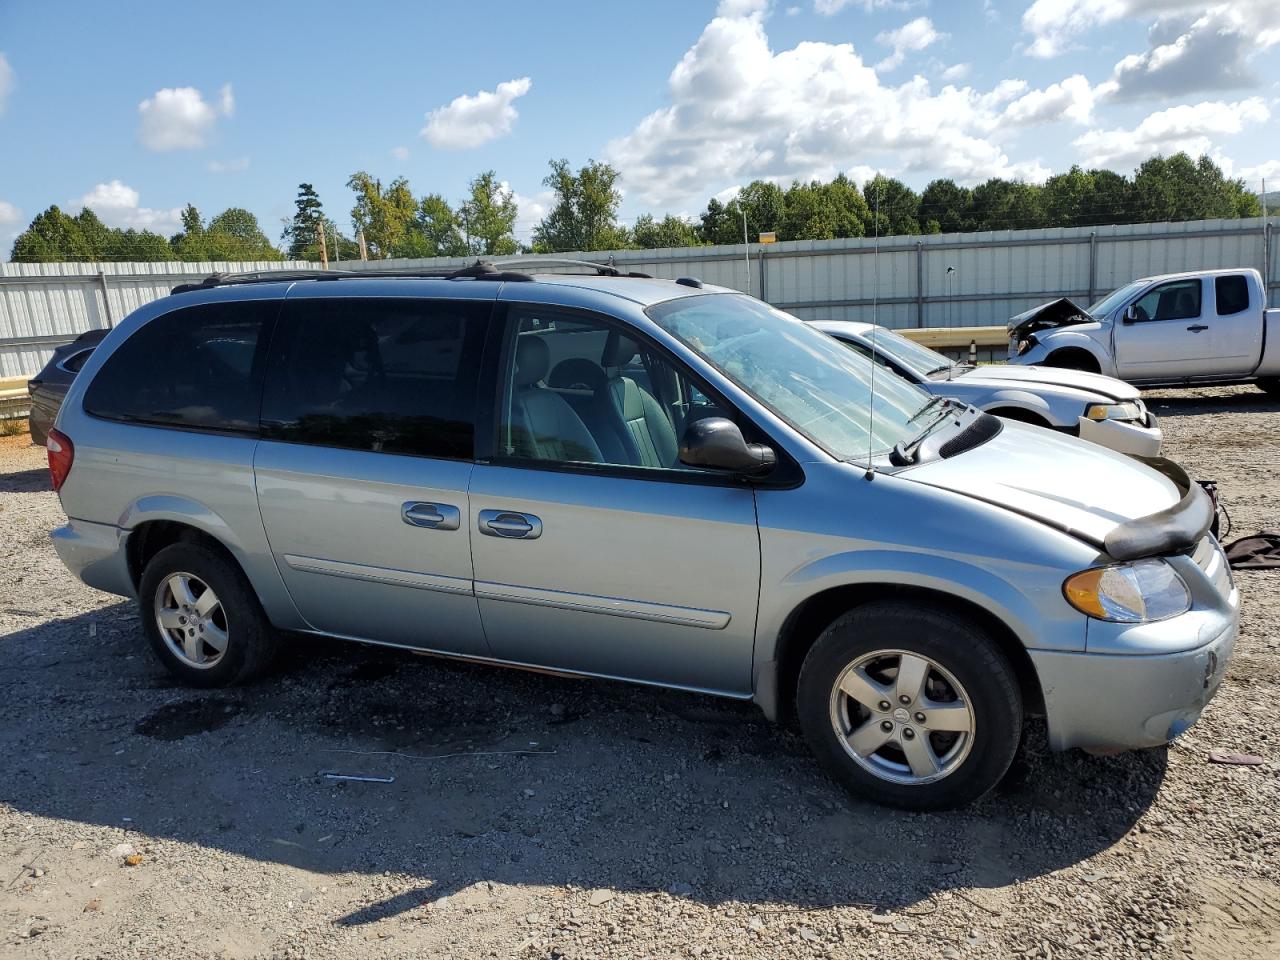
480 270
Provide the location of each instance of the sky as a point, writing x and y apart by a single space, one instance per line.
135 110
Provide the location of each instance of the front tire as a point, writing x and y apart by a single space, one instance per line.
911 706
1270 385
202 617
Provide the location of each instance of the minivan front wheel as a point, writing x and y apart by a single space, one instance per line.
910 706
202 618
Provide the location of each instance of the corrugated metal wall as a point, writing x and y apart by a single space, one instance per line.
992 276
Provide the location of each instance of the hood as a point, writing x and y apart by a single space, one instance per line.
1010 375
1056 313
1079 487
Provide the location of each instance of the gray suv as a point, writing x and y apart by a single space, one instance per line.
639 479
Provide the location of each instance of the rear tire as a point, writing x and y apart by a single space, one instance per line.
202 617
874 742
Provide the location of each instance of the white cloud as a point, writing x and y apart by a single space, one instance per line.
179 118
9 213
1071 99
6 81
117 205
739 111
909 38
470 121
529 210
1269 169
831 7
400 153
236 165
1193 128
956 72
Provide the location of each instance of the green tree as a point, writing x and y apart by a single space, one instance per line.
137 245
300 231
1111 200
585 214
896 206
650 234
716 224
385 216
1068 198
488 217
235 235
823 211
436 226
1007 205
949 205
51 236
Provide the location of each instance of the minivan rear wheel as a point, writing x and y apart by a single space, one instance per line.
202 618
911 706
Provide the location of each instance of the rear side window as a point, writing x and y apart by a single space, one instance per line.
1232 294
196 368
394 375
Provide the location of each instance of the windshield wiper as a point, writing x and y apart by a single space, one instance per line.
905 453
945 366
933 402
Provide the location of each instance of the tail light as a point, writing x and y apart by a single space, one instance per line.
61 454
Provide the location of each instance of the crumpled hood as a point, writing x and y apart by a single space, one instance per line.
1075 486
1010 375
1056 313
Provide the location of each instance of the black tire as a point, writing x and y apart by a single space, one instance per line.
1020 416
951 642
1073 359
251 642
1270 385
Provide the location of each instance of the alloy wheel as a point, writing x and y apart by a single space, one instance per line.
191 620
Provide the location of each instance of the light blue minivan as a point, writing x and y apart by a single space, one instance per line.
648 480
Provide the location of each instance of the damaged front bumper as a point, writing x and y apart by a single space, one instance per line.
1126 436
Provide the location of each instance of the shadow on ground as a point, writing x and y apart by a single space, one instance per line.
630 788
26 481
1237 399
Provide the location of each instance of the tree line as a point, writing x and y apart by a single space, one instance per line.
391 221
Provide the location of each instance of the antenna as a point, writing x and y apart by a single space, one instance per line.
875 303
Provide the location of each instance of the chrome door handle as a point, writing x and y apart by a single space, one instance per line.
510 525
433 516
1197 327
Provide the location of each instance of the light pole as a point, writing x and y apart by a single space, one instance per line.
746 245
950 274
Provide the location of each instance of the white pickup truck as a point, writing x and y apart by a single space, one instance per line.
1180 329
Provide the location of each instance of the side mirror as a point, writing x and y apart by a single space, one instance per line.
1131 313
718 444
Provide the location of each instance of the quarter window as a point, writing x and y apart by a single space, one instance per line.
192 368
1176 300
1231 294
392 375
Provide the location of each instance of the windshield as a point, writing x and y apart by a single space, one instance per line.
916 357
808 379
1114 299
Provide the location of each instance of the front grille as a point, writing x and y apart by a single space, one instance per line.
1210 558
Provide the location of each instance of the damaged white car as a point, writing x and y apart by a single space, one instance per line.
1101 409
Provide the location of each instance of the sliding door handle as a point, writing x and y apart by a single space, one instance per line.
510 525
433 516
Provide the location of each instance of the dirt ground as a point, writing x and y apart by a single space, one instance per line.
532 816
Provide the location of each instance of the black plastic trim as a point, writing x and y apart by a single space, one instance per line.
1174 529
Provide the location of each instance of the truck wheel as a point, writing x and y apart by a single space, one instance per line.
910 706
1271 385
202 617
1073 359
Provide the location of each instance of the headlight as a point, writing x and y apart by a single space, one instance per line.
1136 592
1113 411
1025 345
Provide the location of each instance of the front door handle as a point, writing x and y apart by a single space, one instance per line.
1197 327
510 525
433 516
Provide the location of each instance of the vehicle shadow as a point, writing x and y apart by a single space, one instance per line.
26 481
1237 399
507 777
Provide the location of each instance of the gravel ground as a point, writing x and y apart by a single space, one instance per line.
140 819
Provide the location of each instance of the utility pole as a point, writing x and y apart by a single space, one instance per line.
746 245
364 248
324 248
337 245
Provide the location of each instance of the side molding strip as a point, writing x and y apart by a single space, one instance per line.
399 578
609 606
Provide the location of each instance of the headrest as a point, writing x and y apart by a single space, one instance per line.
618 350
533 359
577 373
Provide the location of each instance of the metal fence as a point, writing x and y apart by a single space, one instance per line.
951 280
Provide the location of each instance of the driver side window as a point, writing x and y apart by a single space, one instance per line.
1176 300
579 390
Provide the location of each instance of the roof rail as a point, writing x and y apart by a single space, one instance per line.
480 270
606 269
